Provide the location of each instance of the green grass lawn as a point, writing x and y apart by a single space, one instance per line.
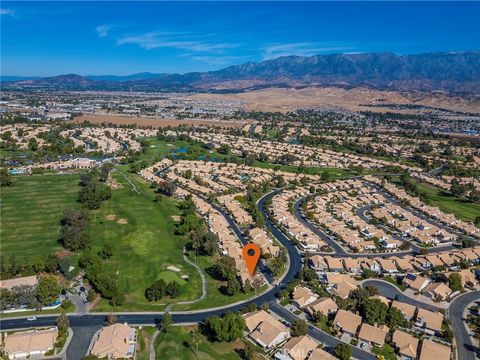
31 210
387 351
176 345
215 297
144 336
143 247
460 207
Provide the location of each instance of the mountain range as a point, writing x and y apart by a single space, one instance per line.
440 71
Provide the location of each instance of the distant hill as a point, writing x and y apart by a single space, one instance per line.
138 76
450 72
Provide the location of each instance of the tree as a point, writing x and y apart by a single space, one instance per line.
467 242
173 289
48 289
249 351
448 334
343 351
455 282
224 149
107 251
5 177
395 318
73 235
166 323
196 337
91 295
156 291
166 188
229 328
63 322
225 267
474 196
233 285
374 311
299 327
33 144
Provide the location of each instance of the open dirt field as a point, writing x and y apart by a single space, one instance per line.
154 122
276 99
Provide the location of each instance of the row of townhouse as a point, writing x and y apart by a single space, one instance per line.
306 238
345 224
273 336
280 210
433 212
309 156
76 163
229 244
239 214
396 264
411 226
351 325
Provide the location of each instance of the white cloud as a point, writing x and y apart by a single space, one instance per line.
9 12
103 30
153 40
301 49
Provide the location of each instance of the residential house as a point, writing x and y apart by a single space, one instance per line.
325 306
29 343
302 296
373 335
406 345
416 282
265 330
432 350
428 321
319 354
115 341
406 309
297 348
347 322
438 291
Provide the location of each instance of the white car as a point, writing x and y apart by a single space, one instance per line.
32 318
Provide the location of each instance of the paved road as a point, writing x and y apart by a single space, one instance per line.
465 347
392 292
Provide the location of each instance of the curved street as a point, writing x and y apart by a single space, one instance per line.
466 349
85 326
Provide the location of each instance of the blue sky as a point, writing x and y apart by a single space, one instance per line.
90 38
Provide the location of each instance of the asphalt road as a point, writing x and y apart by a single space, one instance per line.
392 292
465 346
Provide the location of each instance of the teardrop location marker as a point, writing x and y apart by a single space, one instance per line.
251 254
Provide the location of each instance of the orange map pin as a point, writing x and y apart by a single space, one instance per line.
251 254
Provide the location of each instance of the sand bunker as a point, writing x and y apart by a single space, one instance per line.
110 217
122 221
173 268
